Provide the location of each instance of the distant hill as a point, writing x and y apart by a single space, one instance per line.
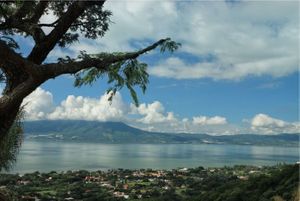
117 132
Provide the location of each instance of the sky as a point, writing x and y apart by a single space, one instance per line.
236 72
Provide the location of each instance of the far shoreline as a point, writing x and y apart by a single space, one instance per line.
124 143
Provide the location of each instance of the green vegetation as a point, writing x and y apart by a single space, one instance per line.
238 183
115 132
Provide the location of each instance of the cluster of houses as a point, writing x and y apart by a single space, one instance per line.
135 184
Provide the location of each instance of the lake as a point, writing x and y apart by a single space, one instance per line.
61 156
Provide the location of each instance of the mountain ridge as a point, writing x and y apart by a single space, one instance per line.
119 132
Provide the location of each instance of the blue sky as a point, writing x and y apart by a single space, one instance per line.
277 97
236 72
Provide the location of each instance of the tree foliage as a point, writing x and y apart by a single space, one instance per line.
128 73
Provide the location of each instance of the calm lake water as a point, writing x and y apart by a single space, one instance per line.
60 156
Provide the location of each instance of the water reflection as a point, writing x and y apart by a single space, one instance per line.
47 156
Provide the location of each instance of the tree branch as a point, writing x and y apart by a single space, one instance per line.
14 64
24 25
39 11
103 61
42 49
133 55
8 56
49 25
23 10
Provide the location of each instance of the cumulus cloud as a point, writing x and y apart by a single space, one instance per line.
39 105
265 124
203 120
152 116
90 108
153 113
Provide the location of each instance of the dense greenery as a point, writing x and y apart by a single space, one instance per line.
115 132
238 183
282 184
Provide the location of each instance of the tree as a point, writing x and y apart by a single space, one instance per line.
22 75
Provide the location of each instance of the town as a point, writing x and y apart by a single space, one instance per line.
149 184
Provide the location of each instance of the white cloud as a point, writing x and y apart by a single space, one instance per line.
177 68
203 120
152 116
241 41
153 113
265 124
90 108
38 104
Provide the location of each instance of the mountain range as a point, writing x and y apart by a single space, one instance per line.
117 132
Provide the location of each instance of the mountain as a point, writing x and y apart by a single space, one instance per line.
117 132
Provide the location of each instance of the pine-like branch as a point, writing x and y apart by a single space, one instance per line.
99 61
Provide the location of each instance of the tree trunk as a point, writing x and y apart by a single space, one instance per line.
11 101
7 117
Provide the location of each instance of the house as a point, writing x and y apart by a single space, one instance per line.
69 198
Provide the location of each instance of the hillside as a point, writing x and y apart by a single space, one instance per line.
238 183
116 132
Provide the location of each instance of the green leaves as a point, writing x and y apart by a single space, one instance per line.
68 38
136 75
169 45
7 8
128 73
93 23
122 69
